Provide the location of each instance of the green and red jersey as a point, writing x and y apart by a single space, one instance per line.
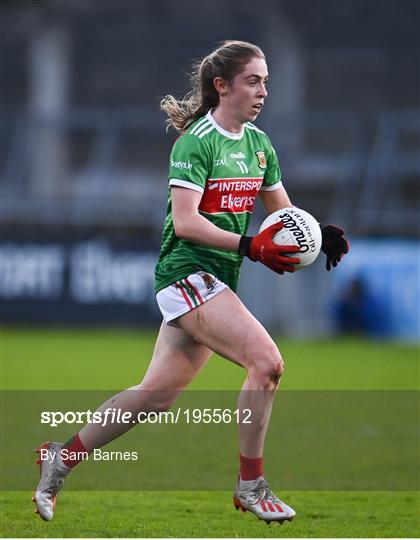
229 170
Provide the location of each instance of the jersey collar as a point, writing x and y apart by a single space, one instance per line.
234 136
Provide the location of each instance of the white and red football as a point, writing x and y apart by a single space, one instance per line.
300 229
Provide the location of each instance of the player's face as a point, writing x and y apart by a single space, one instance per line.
247 92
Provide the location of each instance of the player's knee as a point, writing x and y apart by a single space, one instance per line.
156 400
164 402
272 373
268 366
277 371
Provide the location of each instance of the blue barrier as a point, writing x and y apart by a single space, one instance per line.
379 281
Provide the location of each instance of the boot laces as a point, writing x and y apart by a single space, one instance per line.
262 492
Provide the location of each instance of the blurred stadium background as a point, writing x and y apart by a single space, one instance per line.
84 154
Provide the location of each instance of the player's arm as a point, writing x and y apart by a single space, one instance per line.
274 199
191 225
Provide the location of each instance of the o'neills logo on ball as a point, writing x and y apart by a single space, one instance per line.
301 231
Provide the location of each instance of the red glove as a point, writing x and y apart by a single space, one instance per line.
261 248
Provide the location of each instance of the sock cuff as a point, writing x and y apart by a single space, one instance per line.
250 459
75 452
251 468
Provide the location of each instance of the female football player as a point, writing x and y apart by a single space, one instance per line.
218 166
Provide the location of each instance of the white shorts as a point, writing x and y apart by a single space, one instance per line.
187 294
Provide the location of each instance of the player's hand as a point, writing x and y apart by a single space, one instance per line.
334 244
261 248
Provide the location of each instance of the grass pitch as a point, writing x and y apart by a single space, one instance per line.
53 359
35 359
211 514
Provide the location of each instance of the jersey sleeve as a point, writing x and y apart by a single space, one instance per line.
272 176
189 163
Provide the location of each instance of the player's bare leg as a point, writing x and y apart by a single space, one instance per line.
177 359
226 326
